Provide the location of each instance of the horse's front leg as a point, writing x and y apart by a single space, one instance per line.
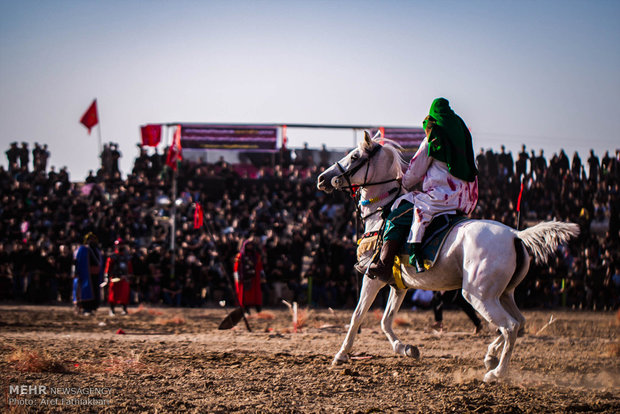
370 288
387 323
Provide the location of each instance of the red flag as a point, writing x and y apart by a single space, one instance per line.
519 199
198 216
90 117
174 152
151 135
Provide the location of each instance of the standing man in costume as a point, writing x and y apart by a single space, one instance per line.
248 273
88 273
118 270
445 165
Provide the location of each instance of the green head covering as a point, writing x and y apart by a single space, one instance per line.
450 141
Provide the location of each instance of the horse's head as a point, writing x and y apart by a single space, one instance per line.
370 162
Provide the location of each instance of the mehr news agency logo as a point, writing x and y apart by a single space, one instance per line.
43 395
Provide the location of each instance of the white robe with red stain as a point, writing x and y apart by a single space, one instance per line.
441 192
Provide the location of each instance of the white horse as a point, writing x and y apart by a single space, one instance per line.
485 258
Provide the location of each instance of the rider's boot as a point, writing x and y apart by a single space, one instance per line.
416 249
383 268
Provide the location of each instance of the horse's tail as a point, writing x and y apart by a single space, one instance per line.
542 239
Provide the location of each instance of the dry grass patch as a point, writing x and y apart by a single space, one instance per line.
303 315
265 315
120 365
26 360
402 322
614 349
175 320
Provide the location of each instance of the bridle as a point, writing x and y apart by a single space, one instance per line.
347 174
353 189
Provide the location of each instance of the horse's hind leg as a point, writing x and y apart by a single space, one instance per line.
507 299
370 288
387 323
492 310
508 302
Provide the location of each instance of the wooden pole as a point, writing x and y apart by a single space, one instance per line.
519 203
173 216
99 135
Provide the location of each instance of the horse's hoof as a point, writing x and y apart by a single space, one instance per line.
490 377
337 362
412 351
340 360
491 362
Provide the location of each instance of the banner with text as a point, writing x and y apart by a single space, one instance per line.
232 137
409 138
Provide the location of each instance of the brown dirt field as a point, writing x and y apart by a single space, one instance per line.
175 360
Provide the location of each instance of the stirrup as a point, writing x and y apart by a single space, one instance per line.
418 261
419 267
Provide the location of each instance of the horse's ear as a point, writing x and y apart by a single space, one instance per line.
367 139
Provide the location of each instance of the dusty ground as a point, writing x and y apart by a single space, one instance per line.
173 360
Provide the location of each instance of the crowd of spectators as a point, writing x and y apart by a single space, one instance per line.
586 273
307 236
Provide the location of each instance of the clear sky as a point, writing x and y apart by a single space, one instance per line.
543 73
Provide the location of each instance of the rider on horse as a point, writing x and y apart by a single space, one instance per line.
445 165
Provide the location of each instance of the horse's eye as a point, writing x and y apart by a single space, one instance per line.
355 156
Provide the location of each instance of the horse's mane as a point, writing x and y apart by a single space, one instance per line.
399 164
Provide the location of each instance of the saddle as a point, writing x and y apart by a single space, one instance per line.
433 240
